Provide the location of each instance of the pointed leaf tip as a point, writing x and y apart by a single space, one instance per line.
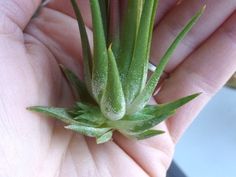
142 99
113 100
88 131
56 113
148 134
104 138
172 106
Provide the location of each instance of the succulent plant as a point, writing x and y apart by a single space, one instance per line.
115 91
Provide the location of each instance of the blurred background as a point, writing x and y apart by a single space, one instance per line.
208 148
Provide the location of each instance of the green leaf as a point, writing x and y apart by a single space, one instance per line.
142 99
104 11
88 131
114 26
151 115
100 62
155 114
90 113
58 113
104 138
147 134
87 107
87 56
137 73
113 101
138 116
129 31
77 85
141 124
160 109
174 105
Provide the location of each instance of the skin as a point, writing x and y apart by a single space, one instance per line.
30 51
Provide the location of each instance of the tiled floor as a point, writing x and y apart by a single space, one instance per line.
208 149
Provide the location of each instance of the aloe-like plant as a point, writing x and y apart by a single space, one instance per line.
115 90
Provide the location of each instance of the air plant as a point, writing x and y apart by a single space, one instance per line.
115 90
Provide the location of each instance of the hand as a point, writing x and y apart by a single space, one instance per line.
31 50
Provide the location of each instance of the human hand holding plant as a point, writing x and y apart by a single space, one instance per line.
32 145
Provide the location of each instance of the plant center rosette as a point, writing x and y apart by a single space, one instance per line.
115 91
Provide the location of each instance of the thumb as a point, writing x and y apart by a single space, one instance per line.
19 11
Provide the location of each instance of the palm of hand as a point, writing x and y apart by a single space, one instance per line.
35 146
42 144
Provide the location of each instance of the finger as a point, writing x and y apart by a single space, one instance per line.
163 8
19 11
111 153
157 151
66 8
77 153
206 71
60 34
173 22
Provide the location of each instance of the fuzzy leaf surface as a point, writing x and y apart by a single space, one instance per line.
104 138
141 124
163 108
113 100
88 112
100 62
128 36
151 115
56 113
88 131
137 73
146 94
